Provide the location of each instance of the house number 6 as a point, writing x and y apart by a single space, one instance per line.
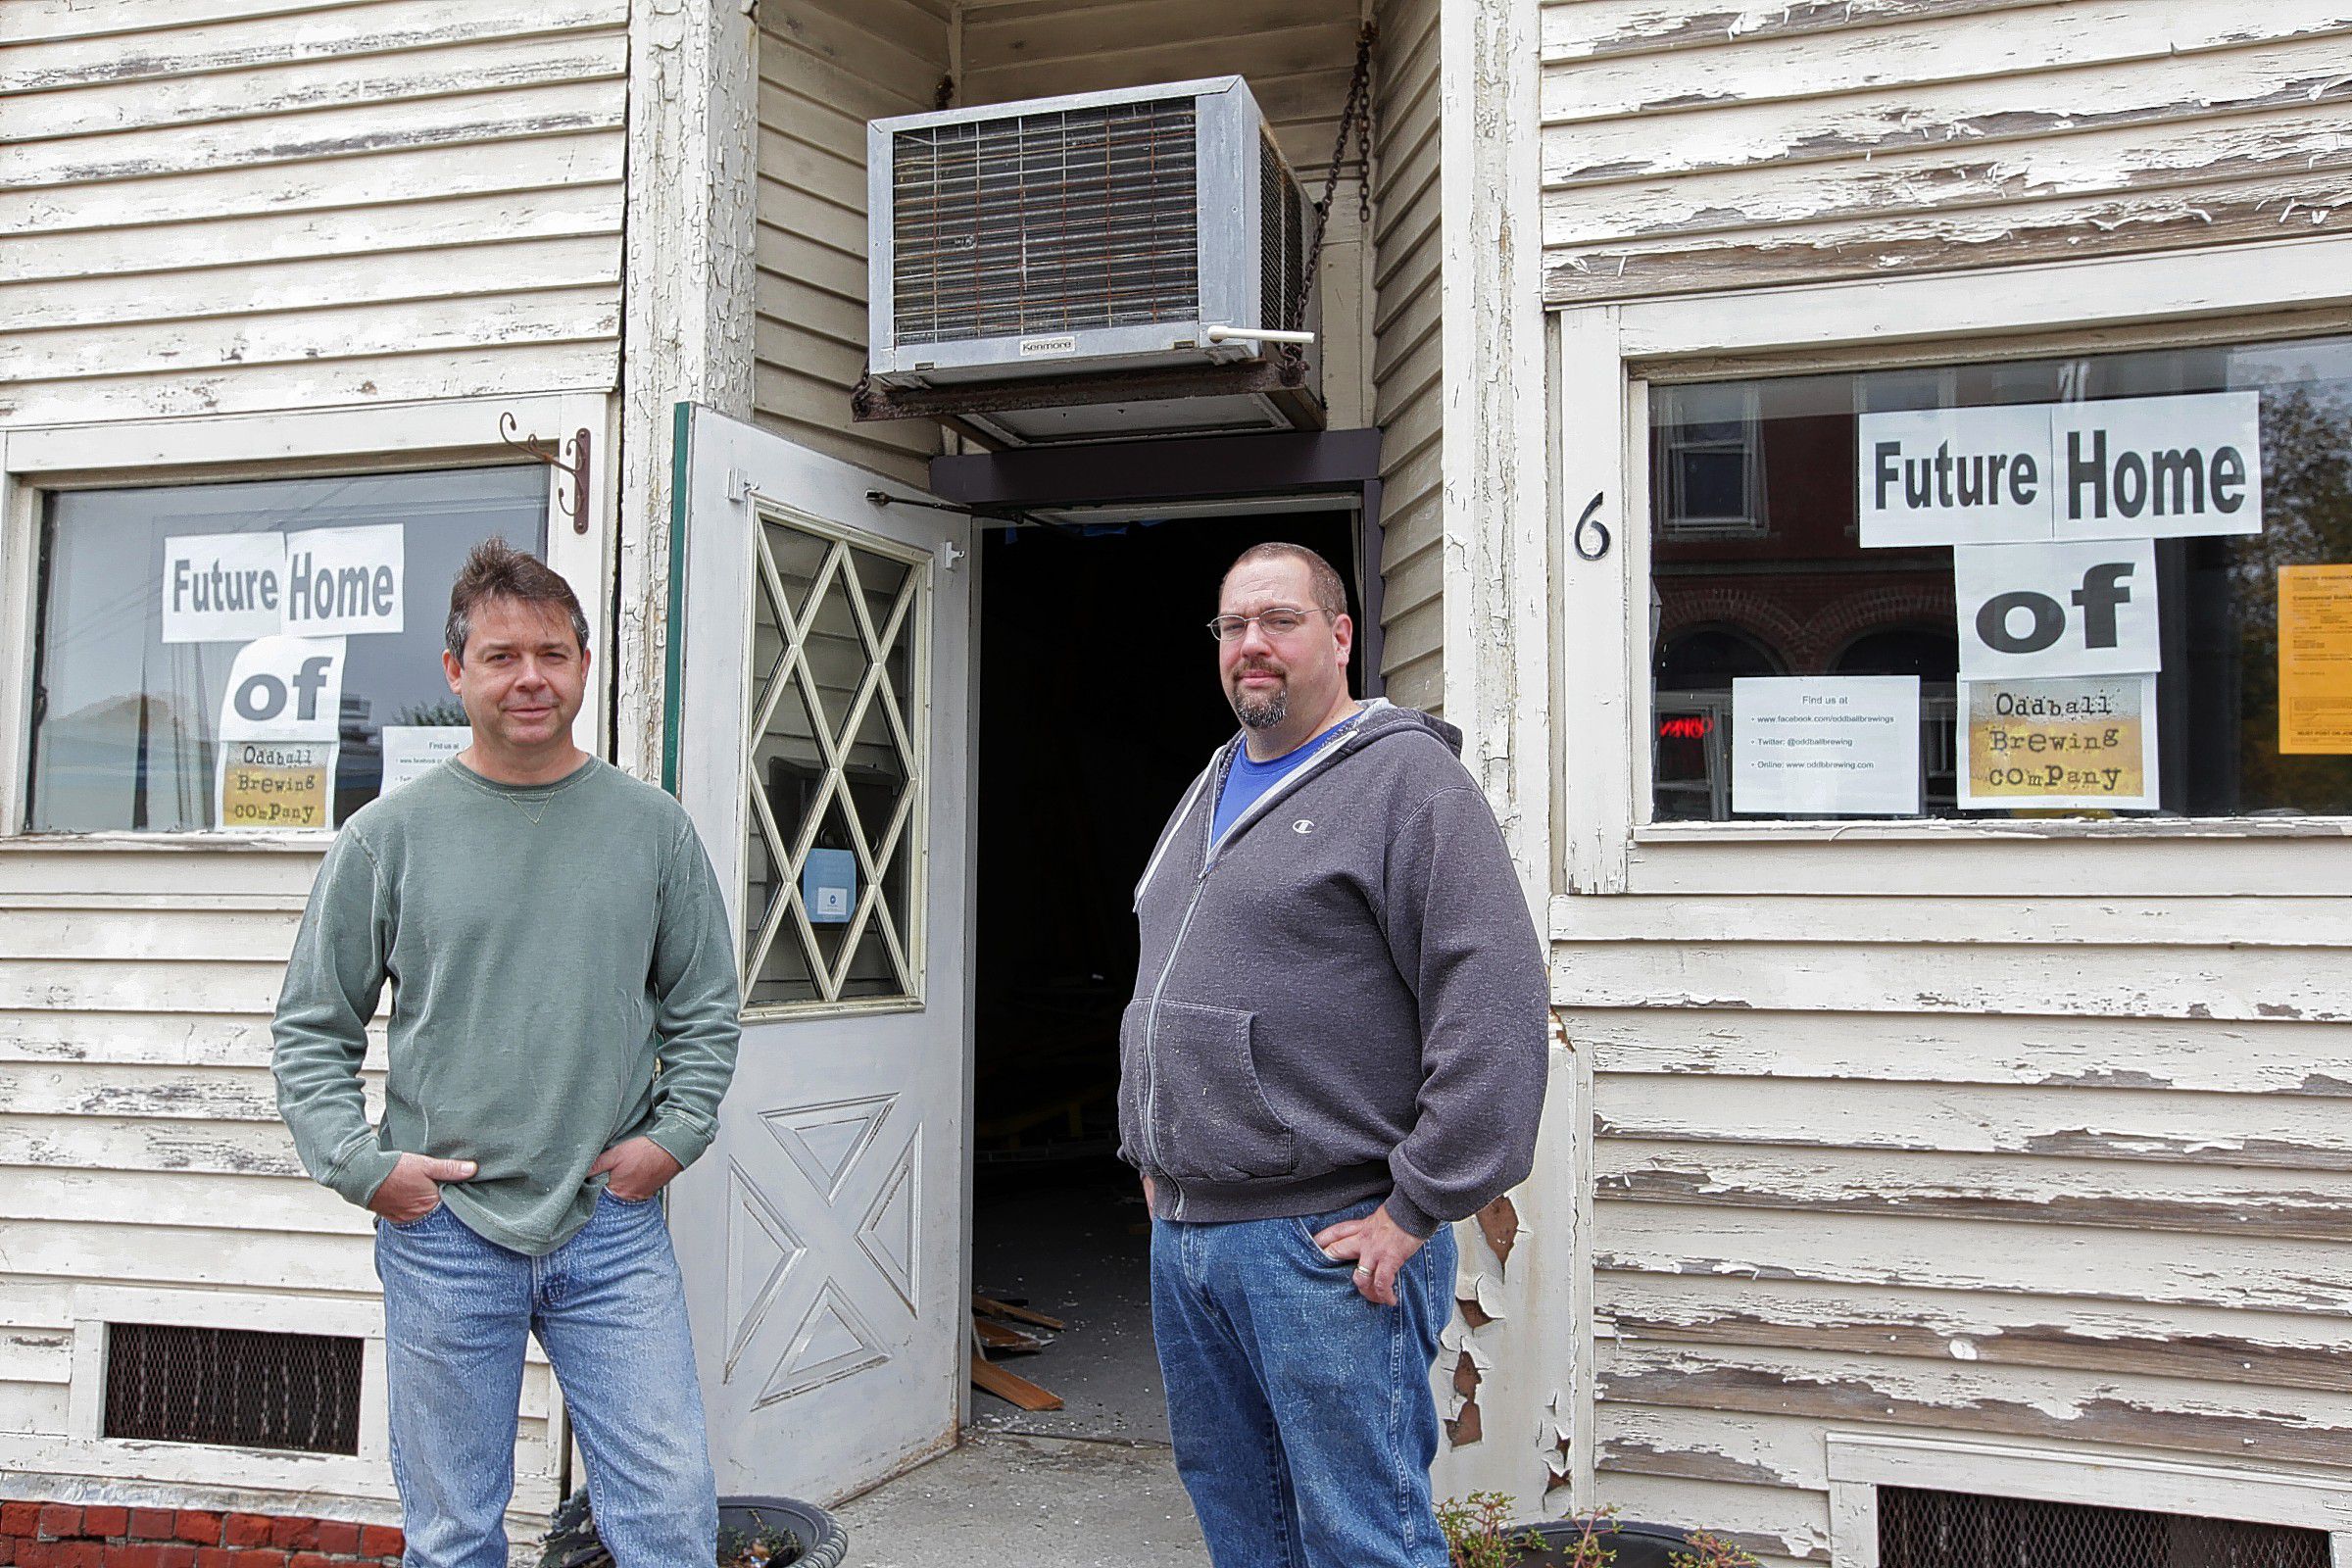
1592 537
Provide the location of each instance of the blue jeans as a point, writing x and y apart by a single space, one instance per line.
1301 1412
609 1309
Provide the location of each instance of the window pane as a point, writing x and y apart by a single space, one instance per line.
129 703
836 758
2175 672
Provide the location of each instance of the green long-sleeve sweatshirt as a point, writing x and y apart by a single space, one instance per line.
545 944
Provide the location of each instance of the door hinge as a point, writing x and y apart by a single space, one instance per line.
947 552
739 485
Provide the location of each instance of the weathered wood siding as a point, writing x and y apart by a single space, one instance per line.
262 204
141 1145
230 206
2066 1169
1409 396
827 67
1699 147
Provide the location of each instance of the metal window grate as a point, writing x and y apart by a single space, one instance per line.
1044 223
1921 1529
168 1382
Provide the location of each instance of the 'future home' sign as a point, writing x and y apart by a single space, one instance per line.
2155 467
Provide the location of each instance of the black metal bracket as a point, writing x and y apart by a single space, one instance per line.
1014 517
883 497
548 453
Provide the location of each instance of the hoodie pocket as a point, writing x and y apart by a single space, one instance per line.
1132 1146
1207 1117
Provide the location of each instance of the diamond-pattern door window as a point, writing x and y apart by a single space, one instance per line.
834 777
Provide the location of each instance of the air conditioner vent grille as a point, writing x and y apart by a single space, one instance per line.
1048 222
1282 269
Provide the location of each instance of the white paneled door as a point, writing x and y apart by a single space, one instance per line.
819 710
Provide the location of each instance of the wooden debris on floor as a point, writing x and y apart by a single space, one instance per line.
994 1379
988 1307
992 1330
996 1335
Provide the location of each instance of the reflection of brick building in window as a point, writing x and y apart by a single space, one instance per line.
1799 596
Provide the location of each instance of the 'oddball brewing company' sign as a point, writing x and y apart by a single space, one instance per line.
2019 473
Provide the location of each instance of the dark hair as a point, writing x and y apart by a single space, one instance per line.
496 569
1330 590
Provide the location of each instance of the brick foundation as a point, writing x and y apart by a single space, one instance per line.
67 1535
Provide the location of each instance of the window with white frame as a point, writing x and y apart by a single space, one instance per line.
2084 586
1709 466
251 653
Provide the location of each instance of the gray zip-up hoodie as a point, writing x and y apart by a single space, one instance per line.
1342 998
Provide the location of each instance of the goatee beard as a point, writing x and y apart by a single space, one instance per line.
1263 713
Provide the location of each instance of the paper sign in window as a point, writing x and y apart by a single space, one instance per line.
2315 660
2159 468
224 587
284 689
2085 742
2033 611
321 582
1826 745
412 751
275 785
829 886
346 582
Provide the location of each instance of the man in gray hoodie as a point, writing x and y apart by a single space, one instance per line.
1337 1045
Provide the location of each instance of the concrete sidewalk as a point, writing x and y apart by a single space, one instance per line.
1005 1499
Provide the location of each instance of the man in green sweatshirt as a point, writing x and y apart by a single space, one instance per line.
564 1024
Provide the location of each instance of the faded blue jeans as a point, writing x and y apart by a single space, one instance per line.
609 1309
1301 1412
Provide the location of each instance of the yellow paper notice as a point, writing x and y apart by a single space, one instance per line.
2315 660
278 784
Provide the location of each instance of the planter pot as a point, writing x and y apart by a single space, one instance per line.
824 1542
1636 1545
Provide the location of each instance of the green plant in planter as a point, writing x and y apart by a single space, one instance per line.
572 1541
1478 1534
1585 1550
1711 1551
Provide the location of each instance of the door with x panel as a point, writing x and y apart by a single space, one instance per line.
820 702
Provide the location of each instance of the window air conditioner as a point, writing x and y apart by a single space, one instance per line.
1140 231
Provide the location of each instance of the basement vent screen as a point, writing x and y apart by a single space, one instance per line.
1045 223
168 1383
1920 1528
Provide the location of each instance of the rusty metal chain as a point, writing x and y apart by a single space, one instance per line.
1355 117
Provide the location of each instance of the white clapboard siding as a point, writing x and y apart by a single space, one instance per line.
246 207
826 67
2268 1057
2169 1415
1408 393
2028 1154
1693 147
2293 1349
141 1145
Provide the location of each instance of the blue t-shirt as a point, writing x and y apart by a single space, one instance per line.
1247 782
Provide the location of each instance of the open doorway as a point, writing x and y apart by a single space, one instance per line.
1098 702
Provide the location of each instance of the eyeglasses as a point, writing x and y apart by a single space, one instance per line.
1280 621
